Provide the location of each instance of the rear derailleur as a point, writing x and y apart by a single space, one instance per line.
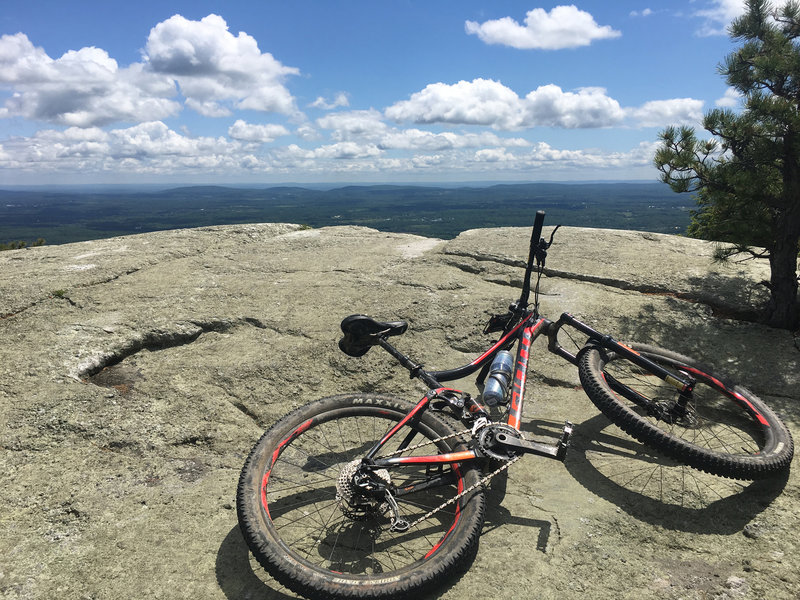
364 493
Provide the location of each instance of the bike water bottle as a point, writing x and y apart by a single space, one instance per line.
494 392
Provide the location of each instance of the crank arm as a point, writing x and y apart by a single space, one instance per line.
557 450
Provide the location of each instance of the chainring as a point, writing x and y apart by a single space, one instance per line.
488 444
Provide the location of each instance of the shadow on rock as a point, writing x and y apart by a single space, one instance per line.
657 490
498 515
237 580
737 349
235 576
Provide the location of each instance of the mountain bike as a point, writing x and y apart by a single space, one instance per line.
368 495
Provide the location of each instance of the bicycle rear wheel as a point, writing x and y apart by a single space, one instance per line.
723 429
291 512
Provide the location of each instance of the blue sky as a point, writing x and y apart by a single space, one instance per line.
360 91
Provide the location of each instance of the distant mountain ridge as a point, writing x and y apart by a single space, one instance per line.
432 211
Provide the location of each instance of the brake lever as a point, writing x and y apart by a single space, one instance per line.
541 250
552 235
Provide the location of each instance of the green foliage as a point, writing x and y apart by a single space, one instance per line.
746 178
20 244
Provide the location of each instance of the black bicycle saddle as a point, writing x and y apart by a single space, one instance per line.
362 332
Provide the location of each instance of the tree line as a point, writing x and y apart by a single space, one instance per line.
20 244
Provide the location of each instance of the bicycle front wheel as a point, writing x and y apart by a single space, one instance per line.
721 428
291 510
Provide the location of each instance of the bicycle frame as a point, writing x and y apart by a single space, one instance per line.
523 332
522 327
527 329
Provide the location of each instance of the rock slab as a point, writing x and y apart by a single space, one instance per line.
136 373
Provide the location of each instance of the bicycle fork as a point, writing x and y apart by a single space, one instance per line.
684 382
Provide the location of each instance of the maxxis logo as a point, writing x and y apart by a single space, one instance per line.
367 401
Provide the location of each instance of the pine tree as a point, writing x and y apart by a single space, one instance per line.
747 176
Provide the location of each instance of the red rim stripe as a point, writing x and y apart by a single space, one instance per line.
275 455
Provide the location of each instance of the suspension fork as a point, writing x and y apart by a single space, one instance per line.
685 384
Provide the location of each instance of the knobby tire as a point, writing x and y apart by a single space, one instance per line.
727 430
294 525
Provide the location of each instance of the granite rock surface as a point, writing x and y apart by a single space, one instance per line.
136 373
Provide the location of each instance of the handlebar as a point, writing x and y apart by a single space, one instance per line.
536 236
536 239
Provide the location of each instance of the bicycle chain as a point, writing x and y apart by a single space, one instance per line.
457 497
446 437
483 480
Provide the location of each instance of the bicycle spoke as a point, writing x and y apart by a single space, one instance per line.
310 519
714 420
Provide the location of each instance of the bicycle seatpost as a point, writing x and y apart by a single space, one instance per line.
536 236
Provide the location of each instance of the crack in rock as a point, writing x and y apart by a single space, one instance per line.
503 260
183 333
21 309
719 308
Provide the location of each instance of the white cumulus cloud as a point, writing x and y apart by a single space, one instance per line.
248 132
490 103
550 106
341 99
339 150
730 99
81 88
718 14
145 148
216 70
477 102
562 27
356 123
427 161
493 155
418 139
155 139
676 111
